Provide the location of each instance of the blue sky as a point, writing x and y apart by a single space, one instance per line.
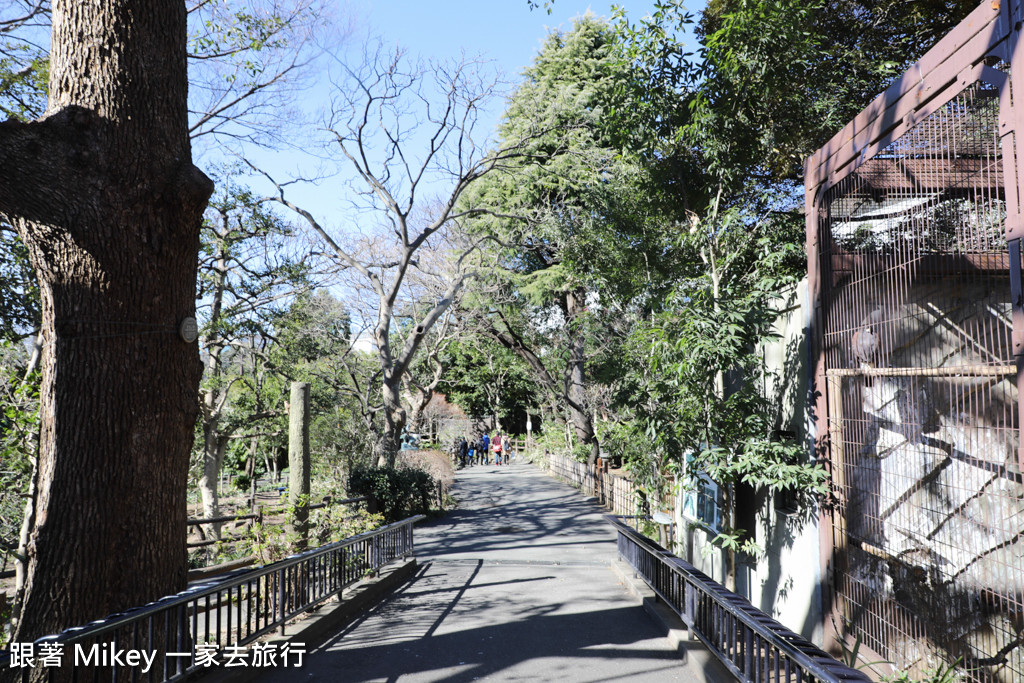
505 31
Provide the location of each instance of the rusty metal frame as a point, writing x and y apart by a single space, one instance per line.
967 55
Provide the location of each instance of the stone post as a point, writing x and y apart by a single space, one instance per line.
298 463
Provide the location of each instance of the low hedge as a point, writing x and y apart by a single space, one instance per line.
399 491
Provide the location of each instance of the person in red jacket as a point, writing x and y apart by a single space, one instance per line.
496 447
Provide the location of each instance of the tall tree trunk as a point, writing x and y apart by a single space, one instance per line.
582 419
104 194
214 447
395 418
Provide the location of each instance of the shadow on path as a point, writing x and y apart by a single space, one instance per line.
518 512
515 586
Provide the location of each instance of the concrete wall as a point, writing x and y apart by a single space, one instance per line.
785 581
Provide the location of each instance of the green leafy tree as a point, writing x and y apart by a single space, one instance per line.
19 289
770 80
19 441
698 363
300 339
23 79
314 326
582 219
318 340
485 378
246 272
722 129
314 343
24 70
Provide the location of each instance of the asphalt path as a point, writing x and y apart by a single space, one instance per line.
514 585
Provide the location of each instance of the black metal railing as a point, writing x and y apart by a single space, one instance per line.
752 645
211 623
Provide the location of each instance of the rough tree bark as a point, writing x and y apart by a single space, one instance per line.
395 364
213 400
419 393
576 382
103 192
570 393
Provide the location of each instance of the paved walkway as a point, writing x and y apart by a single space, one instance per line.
515 585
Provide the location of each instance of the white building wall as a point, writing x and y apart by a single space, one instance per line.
785 581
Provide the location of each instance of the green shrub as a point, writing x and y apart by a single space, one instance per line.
399 492
339 522
270 543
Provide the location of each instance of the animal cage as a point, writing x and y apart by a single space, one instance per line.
914 230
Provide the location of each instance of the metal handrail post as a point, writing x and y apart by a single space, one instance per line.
742 637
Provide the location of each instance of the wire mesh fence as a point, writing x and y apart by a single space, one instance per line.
914 251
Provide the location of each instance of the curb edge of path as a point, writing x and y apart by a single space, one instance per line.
317 627
704 666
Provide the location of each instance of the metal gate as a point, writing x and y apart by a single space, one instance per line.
914 225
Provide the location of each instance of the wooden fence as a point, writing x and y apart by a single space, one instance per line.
256 517
613 491
260 512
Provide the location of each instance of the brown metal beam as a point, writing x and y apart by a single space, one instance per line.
931 174
933 265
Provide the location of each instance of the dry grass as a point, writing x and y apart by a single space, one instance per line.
436 463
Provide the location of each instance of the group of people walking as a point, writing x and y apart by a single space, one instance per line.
479 451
